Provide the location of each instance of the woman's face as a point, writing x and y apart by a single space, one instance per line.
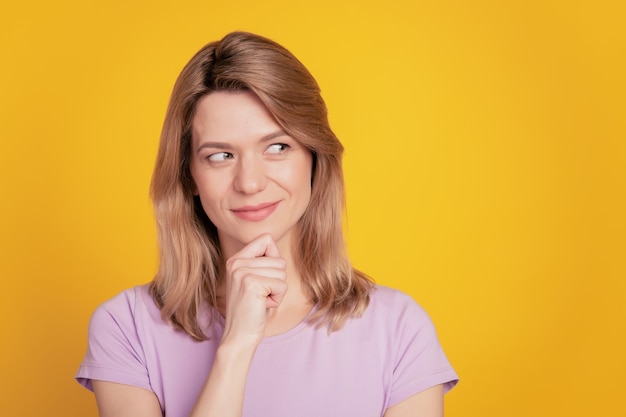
251 177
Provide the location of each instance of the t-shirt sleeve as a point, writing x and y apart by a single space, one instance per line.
114 350
419 360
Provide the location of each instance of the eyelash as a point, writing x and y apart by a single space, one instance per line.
283 146
227 155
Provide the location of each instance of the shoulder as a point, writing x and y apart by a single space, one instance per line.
402 320
394 304
125 313
415 353
127 304
381 293
115 344
129 297
393 315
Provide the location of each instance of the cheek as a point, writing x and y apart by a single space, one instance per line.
302 179
210 192
298 176
209 196
210 206
303 169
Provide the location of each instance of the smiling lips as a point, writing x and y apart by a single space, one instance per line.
255 213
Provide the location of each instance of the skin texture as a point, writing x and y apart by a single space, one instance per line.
254 183
241 157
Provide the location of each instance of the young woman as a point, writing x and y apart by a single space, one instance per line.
255 309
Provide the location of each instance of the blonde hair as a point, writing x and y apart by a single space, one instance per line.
190 259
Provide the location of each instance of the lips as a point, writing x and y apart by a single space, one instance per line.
255 213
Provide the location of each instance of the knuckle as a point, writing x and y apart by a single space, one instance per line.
248 281
233 264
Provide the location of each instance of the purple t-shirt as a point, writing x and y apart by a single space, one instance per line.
372 363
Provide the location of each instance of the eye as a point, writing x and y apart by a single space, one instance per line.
220 156
277 148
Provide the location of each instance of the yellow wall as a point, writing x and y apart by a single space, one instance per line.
485 165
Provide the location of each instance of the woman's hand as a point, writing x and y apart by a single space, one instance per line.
255 283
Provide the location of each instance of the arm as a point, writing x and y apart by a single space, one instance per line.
421 371
223 391
255 282
118 400
428 403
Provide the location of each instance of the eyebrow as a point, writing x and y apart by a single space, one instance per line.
224 145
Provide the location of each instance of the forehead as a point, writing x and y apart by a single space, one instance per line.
227 116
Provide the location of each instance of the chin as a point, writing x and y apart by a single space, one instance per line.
233 243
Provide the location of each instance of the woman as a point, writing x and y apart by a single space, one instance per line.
255 309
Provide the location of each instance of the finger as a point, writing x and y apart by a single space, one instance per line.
274 273
262 262
268 289
272 248
276 290
263 245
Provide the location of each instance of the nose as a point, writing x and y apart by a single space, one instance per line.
250 176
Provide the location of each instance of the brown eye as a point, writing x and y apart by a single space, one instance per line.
220 156
277 148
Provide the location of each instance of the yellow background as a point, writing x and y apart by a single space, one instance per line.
485 166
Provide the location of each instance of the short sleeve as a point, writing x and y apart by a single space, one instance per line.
114 350
419 360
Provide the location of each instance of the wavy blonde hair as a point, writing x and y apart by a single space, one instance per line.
190 259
